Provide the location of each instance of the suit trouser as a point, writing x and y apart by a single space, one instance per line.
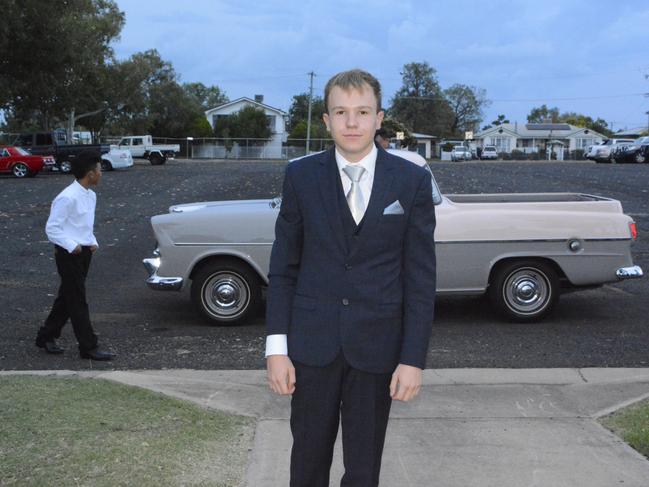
71 300
325 396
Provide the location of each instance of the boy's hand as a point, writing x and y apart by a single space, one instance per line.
281 374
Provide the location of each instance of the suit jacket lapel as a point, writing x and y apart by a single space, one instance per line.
329 192
383 178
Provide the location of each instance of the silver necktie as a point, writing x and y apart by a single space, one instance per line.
355 196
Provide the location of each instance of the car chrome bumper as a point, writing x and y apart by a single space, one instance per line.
633 272
154 281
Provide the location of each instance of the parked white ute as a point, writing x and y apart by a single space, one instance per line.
142 147
116 159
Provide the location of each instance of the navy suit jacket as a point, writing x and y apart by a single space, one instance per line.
371 296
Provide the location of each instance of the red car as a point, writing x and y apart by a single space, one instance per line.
21 163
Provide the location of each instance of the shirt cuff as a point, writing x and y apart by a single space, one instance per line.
276 345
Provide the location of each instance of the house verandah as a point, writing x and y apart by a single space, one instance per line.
549 139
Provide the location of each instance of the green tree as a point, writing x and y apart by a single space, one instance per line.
393 126
579 120
467 103
298 114
500 120
201 127
249 122
206 96
543 114
53 54
420 103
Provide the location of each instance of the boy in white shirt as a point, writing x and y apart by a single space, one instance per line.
70 228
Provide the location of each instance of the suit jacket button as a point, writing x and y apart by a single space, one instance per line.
345 302
348 266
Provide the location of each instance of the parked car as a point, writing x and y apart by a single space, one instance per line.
21 163
116 159
142 147
522 250
489 152
602 152
461 153
637 152
55 144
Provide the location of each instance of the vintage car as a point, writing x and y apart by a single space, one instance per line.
523 250
637 153
21 163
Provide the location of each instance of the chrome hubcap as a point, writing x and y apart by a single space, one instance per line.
527 291
226 294
20 170
66 166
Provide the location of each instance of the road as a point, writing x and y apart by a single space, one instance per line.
605 327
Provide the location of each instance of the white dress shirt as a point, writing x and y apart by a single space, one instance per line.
277 344
72 218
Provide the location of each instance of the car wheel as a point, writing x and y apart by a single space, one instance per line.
20 170
227 293
106 165
66 167
156 159
639 157
524 290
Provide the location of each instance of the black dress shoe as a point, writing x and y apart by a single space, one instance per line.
96 354
50 347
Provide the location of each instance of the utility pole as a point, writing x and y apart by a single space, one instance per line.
308 121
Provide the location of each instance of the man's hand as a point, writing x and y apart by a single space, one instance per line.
281 374
93 248
406 382
77 250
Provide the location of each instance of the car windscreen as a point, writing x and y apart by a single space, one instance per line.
22 151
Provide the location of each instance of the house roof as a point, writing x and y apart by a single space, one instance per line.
632 132
537 130
248 101
422 136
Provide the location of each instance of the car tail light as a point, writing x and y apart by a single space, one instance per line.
634 230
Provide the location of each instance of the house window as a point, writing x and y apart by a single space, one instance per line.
502 143
584 142
270 119
217 118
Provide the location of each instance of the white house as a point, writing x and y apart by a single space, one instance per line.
533 137
276 121
425 144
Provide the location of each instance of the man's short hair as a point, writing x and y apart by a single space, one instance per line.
85 162
354 78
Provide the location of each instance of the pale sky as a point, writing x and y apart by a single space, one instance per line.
588 56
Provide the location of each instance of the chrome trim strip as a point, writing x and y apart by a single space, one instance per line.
222 244
633 272
559 240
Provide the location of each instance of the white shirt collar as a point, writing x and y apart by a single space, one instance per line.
78 187
368 162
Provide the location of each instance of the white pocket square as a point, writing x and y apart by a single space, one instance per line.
393 209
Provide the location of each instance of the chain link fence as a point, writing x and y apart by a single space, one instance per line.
275 149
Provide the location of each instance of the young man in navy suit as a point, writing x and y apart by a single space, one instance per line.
352 288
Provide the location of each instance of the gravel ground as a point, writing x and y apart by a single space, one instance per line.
598 328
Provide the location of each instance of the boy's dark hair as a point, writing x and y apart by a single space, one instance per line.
355 78
85 162
383 133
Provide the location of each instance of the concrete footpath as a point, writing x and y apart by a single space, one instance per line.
468 427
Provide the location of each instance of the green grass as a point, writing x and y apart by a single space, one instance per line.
56 431
632 425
